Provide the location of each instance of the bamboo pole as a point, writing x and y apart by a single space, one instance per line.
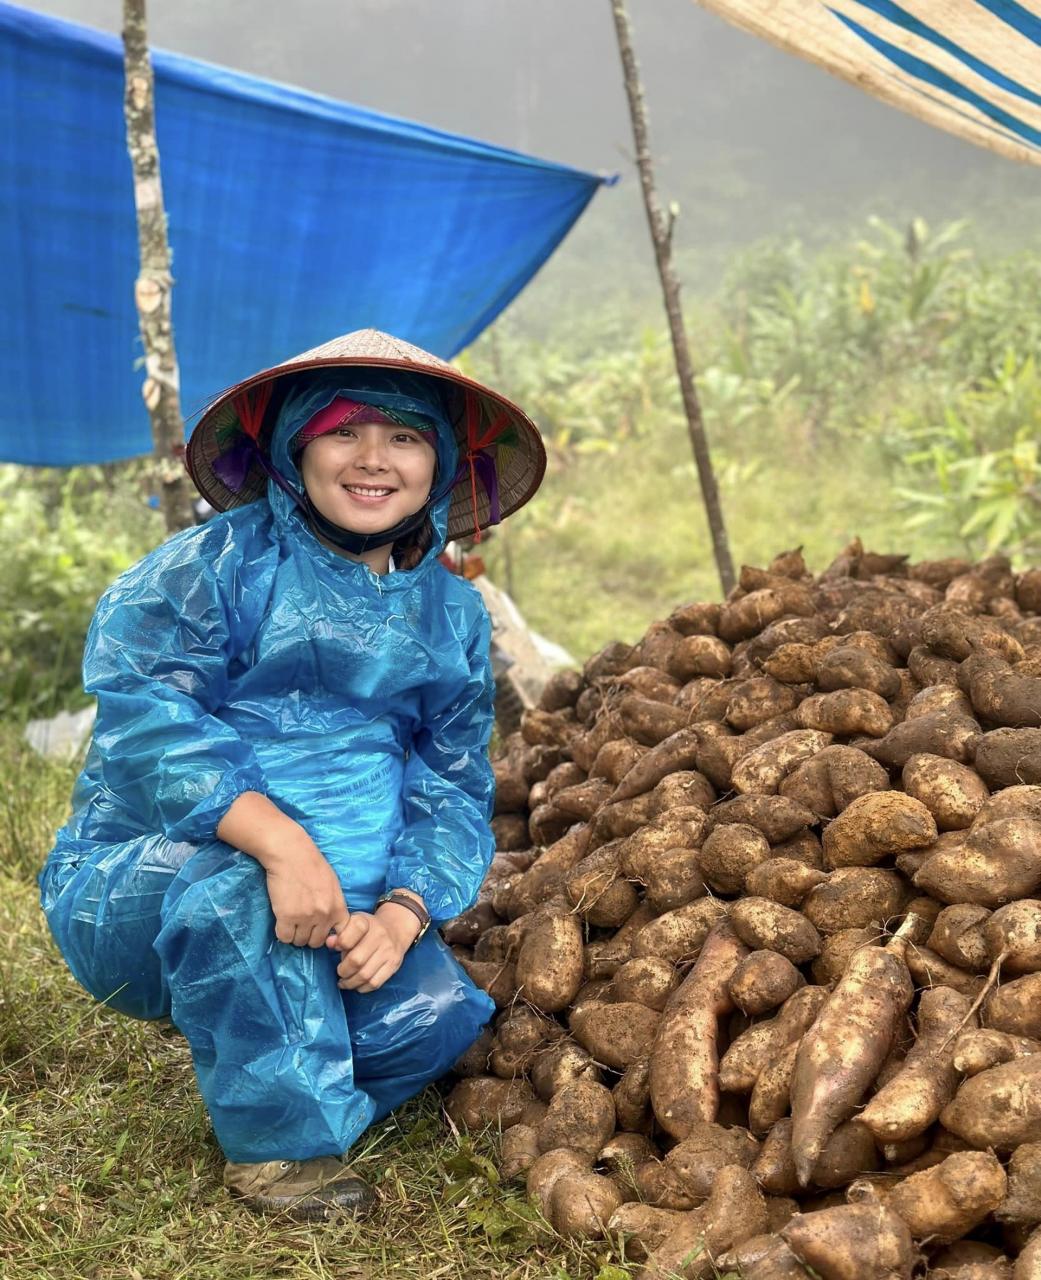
661 234
161 388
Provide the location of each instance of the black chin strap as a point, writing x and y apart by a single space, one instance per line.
356 543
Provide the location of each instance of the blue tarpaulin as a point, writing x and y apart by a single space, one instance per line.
292 218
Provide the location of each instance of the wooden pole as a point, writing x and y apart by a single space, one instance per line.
661 234
161 388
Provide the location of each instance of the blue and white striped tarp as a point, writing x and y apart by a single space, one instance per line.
972 67
293 218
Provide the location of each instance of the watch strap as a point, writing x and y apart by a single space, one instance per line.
405 900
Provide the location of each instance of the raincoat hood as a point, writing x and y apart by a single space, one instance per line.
385 388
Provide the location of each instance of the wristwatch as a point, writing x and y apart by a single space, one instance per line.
410 904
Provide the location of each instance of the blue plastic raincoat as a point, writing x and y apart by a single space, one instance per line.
244 656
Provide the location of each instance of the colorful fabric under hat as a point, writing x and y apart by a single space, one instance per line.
342 411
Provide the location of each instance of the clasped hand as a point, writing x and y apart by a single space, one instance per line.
310 911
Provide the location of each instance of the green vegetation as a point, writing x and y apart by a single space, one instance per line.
887 387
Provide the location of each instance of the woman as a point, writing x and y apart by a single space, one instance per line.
288 779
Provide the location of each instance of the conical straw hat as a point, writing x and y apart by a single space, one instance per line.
488 426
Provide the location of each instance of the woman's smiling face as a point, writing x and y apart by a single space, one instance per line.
368 476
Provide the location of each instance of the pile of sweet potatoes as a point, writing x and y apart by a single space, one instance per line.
764 932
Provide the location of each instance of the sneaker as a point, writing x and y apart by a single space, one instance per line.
304 1189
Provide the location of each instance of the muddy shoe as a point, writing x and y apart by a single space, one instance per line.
300 1188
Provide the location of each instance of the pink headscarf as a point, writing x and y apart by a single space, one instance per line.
339 413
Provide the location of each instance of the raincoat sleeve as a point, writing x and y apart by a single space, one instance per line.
156 658
447 844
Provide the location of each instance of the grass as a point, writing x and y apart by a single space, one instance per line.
108 1168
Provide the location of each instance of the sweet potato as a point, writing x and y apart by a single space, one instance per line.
642 1227
759 699
1012 802
695 1162
550 963
941 734
999 695
485 1100
520 1150
854 898
1013 933
616 1035
833 778
841 1053
852 1242
729 853
836 950
734 1212
559 1064
679 828
581 801
783 880
632 1097
581 1117
765 1257
849 1152
953 793
957 935
1015 1007
647 980
999 1108
581 1204
496 977
928 969
1022 1202
649 680
1028 1264
673 879
751 1051
765 925
763 769
684 1078
764 980
993 865
945 1203
615 759
698 619
679 934
875 827
544 1173
597 890
776 817
912 1100
805 847
846 712
678 751
624 1153
1009 757
771 1092
981 1048
545 875
852 667
648 721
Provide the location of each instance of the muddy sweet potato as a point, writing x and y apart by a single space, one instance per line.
854 898
695 1162
832 779
912 1100
676 752
992 865
581 1118
852 1242
846 712
783 880
875 827
616 1035
544 1173
999 1108
842 1052
485 1100
647 980
765 925
1013 933
762 981
750 1052
550 963
679 935
981 1048
643 1227
957 936
763 770
946 1202
941 734
581 1204
729 853
684 1077
1009 757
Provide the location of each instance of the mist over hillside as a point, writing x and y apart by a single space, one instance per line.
751 142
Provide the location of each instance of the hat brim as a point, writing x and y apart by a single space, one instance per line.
518 455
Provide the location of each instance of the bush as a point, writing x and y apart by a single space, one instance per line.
64 536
